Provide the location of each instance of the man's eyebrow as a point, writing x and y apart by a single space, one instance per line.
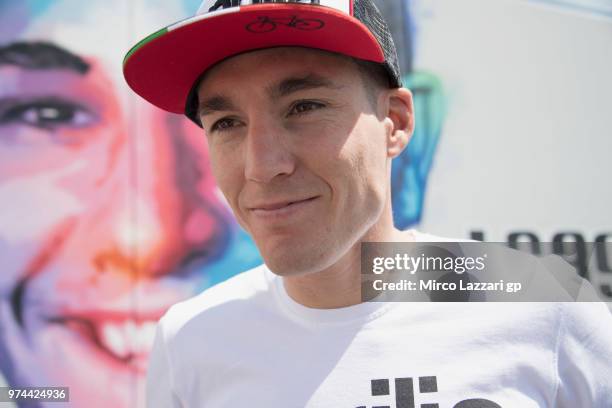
41 55
310 81
283 88
214 104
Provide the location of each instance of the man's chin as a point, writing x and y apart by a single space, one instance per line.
296 264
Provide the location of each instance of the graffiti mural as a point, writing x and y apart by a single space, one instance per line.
108 212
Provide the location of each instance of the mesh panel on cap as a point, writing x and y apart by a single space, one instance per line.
366 12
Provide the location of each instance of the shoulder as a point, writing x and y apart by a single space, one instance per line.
222 302
586 321
584 355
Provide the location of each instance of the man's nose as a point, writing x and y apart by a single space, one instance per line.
171 218
268 152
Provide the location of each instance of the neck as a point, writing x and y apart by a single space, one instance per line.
340 284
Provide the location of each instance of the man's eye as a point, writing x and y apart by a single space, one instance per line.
47 114
305 106
223 124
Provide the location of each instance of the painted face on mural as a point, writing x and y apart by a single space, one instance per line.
100 232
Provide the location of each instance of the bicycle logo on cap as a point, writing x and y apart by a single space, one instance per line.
267 24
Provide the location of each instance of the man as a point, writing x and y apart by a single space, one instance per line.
302 131
109 213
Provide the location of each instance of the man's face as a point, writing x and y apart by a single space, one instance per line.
299 152
107 208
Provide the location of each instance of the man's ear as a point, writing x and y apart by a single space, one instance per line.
400 120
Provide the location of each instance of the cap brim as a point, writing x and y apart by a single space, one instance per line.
163 67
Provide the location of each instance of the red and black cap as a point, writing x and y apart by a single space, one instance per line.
165 67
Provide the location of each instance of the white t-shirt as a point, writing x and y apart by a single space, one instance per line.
246 343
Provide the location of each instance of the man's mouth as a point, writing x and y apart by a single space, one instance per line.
123 338
276 209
